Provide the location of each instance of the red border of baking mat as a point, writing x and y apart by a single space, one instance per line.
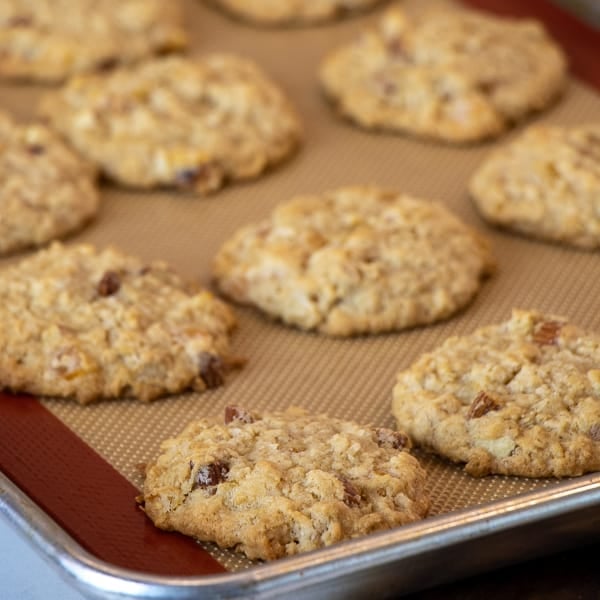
87 497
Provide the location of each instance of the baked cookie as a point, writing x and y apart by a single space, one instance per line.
546 184
174 121
518 398
282 483
87 324
293 12
452 75
46 190
355 260
50 40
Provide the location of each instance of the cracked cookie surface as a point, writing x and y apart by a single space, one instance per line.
545 184
189 123
518 398
452 75
86 324
46 190
293 12
278 484
355 260
50 40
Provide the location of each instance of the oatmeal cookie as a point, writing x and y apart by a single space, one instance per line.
50 40
278 484
87 324
46 190
452 75
293 12
545 184
190 123
355 260
518 398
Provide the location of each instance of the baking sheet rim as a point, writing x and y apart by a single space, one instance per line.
303 573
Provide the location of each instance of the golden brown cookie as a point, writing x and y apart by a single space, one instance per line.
50 40
355 260
544 184
293 12
86 324
452 75
190 123
518 398
282 483
46 190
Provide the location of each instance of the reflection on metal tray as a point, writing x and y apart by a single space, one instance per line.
399 561
589 10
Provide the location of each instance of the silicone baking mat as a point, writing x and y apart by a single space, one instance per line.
82 464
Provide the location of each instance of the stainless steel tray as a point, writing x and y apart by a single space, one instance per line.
424 554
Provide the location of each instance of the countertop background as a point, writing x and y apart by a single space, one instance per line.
24 575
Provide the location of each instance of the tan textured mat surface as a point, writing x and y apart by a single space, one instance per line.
346 378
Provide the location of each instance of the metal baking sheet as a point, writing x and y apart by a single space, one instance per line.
51 447
387 564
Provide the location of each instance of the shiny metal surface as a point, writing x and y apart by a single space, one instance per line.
407 559
588 10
